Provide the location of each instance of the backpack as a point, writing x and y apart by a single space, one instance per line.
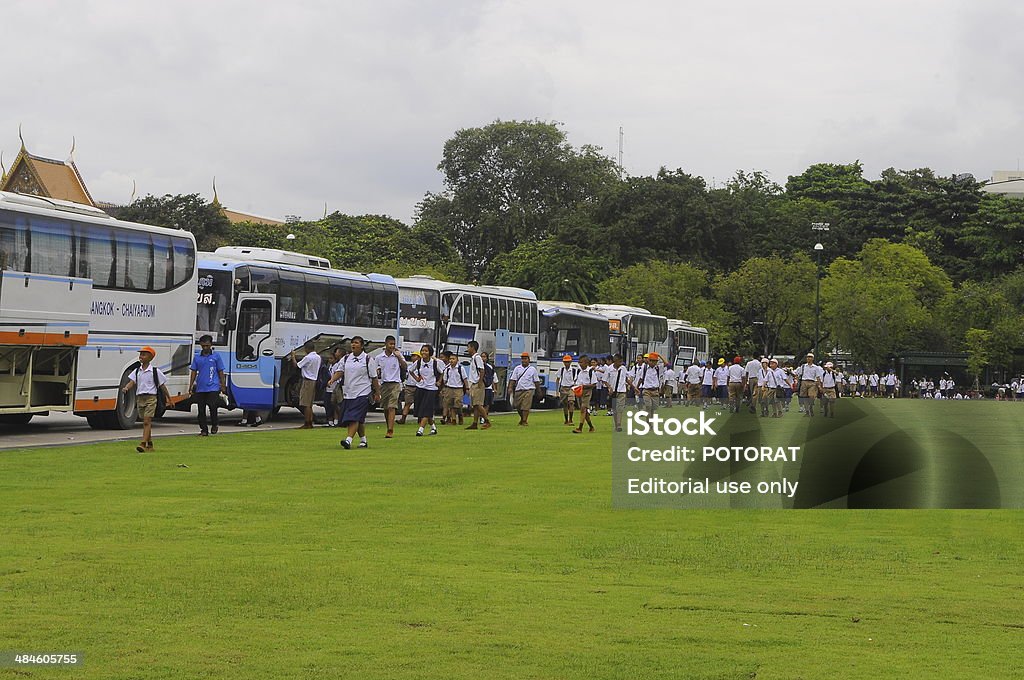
488 376
433 362
155 382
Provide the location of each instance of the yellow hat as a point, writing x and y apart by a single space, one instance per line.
721 362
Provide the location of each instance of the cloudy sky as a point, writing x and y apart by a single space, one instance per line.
294 105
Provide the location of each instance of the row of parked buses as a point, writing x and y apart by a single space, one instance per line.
80 292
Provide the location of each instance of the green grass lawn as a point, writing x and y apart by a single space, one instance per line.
492 554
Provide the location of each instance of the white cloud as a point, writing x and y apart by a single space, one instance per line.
293 105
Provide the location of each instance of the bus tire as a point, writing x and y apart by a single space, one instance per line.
16 418
291 392
97 421
161 406
126 412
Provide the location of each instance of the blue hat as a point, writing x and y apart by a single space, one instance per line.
703 363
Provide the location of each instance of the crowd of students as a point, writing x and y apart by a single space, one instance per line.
349 383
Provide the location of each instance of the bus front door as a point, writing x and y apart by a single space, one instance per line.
253 369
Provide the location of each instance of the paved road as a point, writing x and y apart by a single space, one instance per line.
59 429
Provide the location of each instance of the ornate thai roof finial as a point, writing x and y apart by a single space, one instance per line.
216 201
3 169
71 154
21 137
132 199
325 210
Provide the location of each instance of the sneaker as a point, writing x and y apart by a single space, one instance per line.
419 432
141 448
433 430
363 445
213 430
346 444
204 433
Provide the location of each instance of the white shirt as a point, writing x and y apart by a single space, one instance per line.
890 379
781 379
426 372
767 378
670 378
693 374
649 377
721 375
359 372
828 379
567 376
587 377
310 365
707 376
736 373
873 379
753 369
336 367
810 371
143 378
476 369
617 378
524 377
390 367
453 376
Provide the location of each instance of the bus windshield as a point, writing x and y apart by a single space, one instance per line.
419 315
214 304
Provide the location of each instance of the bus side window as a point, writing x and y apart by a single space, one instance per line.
13 242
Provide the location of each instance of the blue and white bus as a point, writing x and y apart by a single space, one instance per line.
448 315
260 304
568 328
634 330
80 293
687 343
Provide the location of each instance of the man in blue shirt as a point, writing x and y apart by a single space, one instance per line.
205 383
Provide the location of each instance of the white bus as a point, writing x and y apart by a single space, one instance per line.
80 293
448 315
568 328
260 304
634 330
687 343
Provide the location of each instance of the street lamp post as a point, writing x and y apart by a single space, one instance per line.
817 296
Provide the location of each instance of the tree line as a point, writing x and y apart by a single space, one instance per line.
912 260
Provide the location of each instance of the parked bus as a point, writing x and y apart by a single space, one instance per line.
568 328
260 304
634 330
687 343
80 293
448 315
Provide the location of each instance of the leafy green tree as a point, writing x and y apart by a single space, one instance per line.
882 302
677 291
994 234
978 343
190 212
553 270
770 297
505 183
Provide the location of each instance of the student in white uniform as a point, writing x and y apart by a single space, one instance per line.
523 383
360 387
427 372
753 369
829 389
618 381
586 379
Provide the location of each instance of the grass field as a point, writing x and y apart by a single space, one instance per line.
491 554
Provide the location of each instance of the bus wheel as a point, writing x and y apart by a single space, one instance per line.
161 406
97 421
15 418
291 392
123 417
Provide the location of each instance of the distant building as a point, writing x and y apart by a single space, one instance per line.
49 178
1006 182
46 177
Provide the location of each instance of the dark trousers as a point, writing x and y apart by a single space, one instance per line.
206 400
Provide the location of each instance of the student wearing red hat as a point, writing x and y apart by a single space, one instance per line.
523 382
565 380
147 380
